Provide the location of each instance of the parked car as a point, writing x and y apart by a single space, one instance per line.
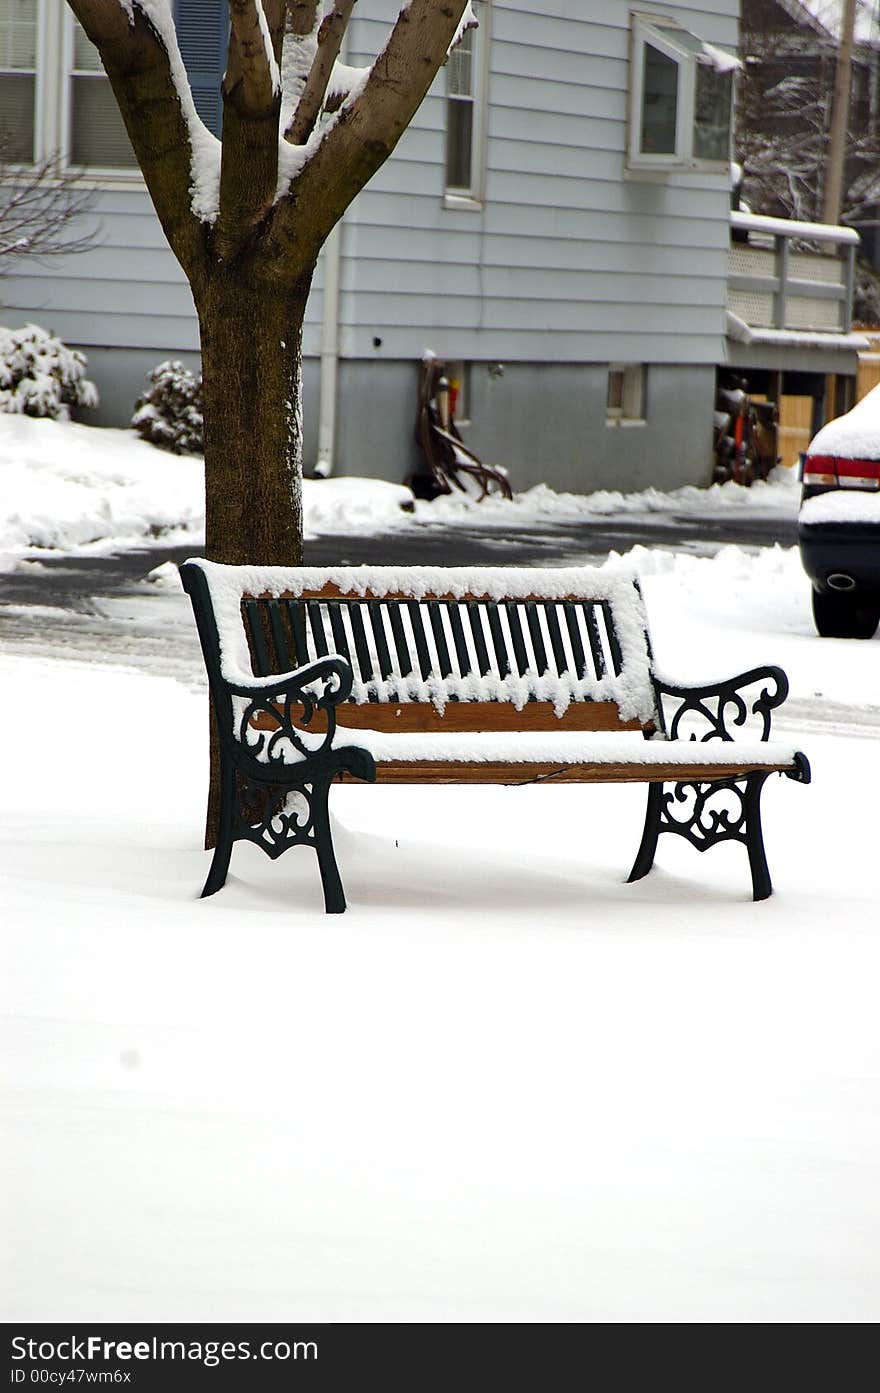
839 522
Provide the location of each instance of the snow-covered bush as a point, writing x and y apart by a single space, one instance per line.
41 376
169 413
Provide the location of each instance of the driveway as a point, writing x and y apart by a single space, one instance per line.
102 608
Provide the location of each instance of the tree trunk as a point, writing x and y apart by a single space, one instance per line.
252 388
251 332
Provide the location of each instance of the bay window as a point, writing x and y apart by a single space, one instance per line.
680 98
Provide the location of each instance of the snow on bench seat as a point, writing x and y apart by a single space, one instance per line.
566 747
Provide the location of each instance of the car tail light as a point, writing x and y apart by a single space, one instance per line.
830 471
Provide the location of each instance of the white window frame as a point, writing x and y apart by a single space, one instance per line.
99 174
39 84
53 97
472 194
658 32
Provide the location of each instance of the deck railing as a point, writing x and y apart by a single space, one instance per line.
791 275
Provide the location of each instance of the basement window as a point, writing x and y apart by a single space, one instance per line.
680 99
625 401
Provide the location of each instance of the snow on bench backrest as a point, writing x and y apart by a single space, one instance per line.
428 634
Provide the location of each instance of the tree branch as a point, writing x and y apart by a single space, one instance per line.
140 73
251 68
330 37
301 17
366 130
251 112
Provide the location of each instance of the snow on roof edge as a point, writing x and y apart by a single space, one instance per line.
741 332
791 227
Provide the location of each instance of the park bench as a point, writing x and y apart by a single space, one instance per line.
467 675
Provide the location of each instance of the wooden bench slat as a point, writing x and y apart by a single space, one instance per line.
450 772
332 592
472 716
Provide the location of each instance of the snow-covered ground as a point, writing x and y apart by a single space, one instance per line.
505 1085
72 487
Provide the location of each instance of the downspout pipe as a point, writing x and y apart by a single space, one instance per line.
328 396
329 355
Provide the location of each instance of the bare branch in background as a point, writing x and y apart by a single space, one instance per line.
40 209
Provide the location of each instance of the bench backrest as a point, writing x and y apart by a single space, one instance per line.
475 649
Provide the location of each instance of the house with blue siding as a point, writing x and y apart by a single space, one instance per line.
555 224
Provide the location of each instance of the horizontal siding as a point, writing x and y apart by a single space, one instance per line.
583 290
566 258
508 346
127 291
565 243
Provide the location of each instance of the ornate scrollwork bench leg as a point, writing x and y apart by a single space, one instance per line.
722 810
686 809
276 813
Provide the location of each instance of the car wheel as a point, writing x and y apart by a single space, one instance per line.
845 616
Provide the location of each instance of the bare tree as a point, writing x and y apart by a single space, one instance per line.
246 216
41 210
783 119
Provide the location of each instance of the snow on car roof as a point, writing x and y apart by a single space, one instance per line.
855 435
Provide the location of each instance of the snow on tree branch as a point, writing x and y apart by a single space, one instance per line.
348 144
251 65
330 35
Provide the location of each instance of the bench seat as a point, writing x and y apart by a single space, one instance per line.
563 756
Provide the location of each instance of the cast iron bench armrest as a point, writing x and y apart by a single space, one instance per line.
723 704
298 679
286 705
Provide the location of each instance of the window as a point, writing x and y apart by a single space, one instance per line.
55 96
464 88
98 138
18 79
626 393
681 98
